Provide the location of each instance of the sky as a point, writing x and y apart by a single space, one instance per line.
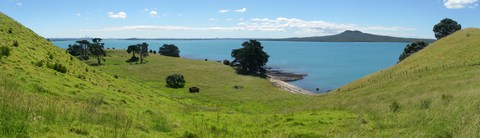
236 18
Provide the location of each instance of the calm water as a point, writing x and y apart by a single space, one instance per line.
328 65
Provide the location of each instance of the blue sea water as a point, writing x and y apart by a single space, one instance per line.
329 65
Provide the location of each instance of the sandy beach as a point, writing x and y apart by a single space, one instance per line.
288 87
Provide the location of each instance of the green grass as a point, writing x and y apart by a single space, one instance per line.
117 99
433 93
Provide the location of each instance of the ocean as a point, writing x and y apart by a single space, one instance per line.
329 65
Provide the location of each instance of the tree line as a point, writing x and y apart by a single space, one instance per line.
83 49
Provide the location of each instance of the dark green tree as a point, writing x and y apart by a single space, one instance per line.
142 51
96 49
83 48
412 48
133 49
79 49
446 27
169 50
250 59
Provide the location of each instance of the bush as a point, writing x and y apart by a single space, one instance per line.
395 107
15 44
10 30
226 62
39 63
175 81
58 67
4 51
169 50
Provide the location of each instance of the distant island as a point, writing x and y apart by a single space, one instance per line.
353 36
347 36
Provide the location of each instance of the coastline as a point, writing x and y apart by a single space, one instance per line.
288 87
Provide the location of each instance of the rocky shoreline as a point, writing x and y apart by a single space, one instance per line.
279 78
284 76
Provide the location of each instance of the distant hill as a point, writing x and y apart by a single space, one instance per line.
354 36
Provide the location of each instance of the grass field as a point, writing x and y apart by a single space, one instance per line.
430 94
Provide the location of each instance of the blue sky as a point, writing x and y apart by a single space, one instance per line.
236 18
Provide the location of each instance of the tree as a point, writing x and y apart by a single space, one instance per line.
143 51
79 49
446 27
251 58
412 48
169 50
83 48
96 49
133 49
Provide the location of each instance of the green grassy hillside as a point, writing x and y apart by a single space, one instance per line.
119 99
437 90
433 93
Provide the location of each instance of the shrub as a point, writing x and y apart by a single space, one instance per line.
175 81
4 51
395 107
226 62
58 67
39 63
15 44
187 134
169 50
10 30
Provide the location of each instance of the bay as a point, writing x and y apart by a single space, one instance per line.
329 65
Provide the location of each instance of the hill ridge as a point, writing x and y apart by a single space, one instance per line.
354 36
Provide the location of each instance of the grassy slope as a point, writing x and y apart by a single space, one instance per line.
38 101
445 77
437 89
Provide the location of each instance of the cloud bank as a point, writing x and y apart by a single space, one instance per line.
281 24
460 4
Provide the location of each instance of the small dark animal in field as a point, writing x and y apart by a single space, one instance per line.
194 90
206 59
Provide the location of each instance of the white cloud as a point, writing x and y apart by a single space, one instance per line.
153 13
293 25
19 4
460 4
179 14
242 10
78 14
119 15
229 19
224 11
